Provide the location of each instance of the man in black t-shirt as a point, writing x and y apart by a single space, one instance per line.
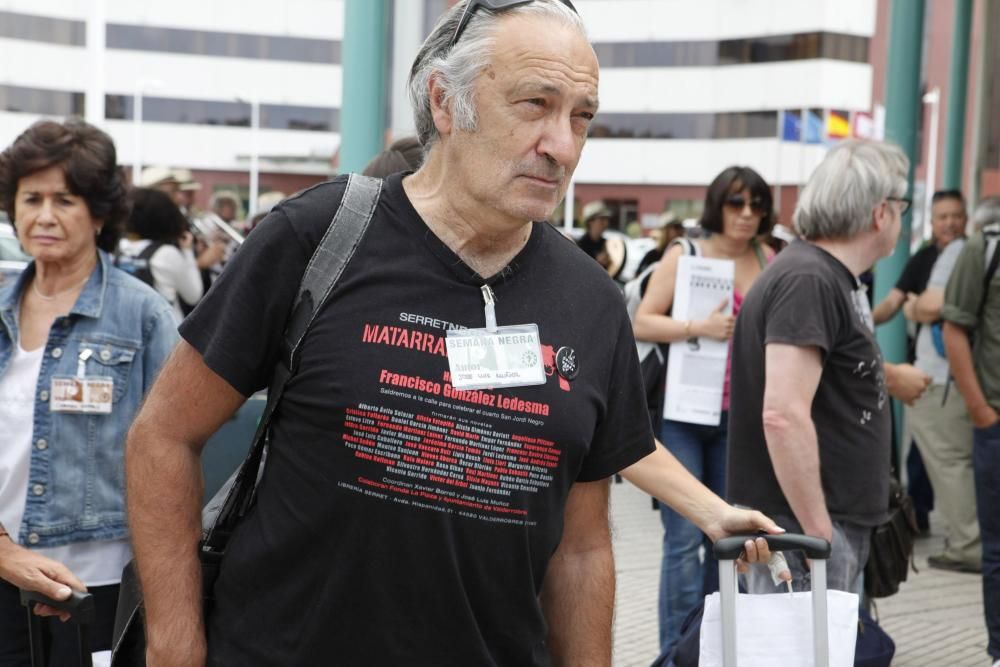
399 519
809 416
948 218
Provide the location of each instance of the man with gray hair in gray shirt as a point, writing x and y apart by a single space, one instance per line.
809 418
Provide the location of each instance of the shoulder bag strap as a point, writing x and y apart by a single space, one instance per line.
325 267
992 261
758 250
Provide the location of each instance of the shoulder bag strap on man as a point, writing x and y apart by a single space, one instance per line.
325 267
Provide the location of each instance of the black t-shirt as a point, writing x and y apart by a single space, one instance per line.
917 271
397 521
806 297
590 246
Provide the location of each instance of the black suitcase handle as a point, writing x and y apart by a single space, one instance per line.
729 548
82 612
79 605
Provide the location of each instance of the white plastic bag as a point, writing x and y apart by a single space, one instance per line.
776 630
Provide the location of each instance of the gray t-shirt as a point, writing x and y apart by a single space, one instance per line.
808 298
928 360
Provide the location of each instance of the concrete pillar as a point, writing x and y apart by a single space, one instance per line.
902 96
362 114
958 86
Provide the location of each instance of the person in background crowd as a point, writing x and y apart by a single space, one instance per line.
938 421
948 219
670 228
158 239
972 306
737 212
810 412
405 154
226 204
80 343
186 189
596 218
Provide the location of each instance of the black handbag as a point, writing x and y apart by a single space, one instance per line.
891 555
227 508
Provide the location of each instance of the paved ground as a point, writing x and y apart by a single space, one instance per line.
936 619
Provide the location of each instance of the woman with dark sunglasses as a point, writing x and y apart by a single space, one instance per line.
738 212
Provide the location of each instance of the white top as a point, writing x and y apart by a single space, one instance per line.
175 272
928 360
95 563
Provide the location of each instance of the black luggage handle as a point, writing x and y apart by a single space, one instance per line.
729 548
79 605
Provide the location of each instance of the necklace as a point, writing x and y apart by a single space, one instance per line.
53 297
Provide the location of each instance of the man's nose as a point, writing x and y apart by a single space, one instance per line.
559 143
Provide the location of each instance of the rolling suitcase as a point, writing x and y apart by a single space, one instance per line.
80 605
728 549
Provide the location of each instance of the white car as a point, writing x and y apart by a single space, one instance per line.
12 258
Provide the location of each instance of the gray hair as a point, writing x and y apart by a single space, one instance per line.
987 213
853 178
459 67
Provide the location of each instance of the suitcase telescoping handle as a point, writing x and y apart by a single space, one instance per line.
728 549
81 609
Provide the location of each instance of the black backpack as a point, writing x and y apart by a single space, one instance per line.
139 266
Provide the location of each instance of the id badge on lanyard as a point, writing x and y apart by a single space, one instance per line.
81 393
495 357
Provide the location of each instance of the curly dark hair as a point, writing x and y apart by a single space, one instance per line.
89 164
736 179
155 216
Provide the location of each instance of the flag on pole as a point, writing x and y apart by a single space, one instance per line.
813 126
791 126
838 125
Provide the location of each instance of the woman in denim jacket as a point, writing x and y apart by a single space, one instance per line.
80 343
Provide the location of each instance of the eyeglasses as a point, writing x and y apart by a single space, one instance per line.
905 202
737 202
492 5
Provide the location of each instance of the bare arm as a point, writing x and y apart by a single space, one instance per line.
956 344
791 378
652 323
661 475
889 306
578 595
925 308
165 488
905 382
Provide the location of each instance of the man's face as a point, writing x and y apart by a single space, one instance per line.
535 101
947 221
597 226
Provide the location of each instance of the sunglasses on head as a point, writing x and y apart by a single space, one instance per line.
737 202
492 5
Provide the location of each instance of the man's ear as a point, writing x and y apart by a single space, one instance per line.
879 216
440 111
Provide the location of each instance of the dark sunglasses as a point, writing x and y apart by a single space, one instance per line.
737 202
905 201
492 5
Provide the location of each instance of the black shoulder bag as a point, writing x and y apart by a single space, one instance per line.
225 511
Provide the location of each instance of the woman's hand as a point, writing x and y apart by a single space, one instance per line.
186 241
718 325
28 570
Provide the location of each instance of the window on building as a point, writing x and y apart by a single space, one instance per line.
737 125
709 53
231 113
224 44
41 101
42 29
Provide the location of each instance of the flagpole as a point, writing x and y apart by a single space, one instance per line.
777 160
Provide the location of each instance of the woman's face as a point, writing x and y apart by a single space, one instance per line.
53 225
741 214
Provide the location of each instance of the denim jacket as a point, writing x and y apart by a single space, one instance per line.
76 478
